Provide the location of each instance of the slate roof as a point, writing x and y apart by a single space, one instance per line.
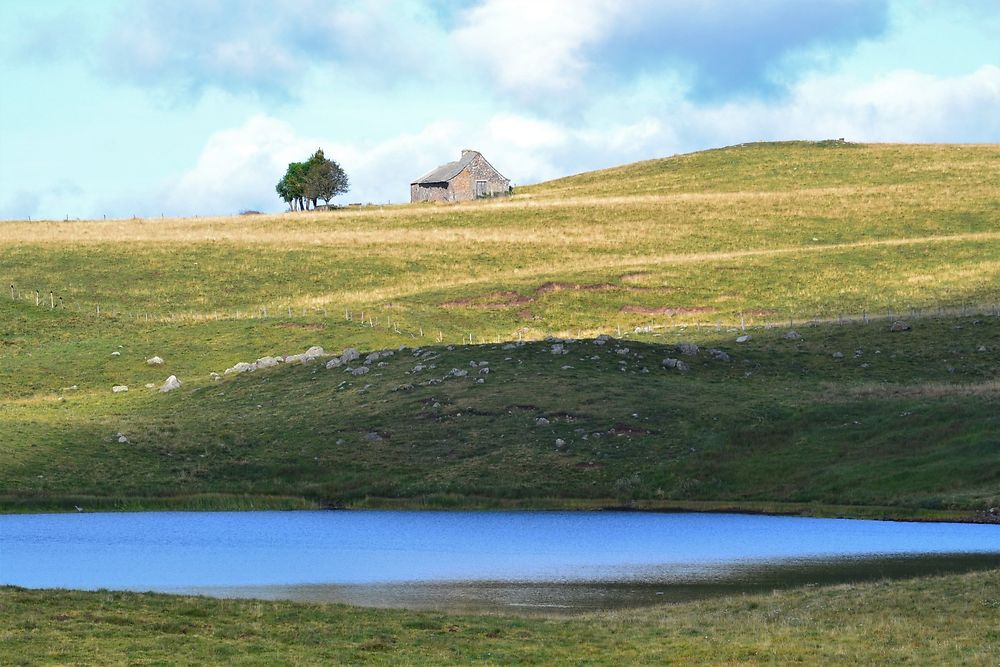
448 171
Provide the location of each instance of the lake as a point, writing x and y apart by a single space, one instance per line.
550 561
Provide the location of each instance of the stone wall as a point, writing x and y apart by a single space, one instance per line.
429 193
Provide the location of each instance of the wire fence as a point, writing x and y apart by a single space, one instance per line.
387 322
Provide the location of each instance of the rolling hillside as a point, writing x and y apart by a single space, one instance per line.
833 240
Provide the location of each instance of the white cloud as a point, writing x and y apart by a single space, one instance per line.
901 106
528 47
238 169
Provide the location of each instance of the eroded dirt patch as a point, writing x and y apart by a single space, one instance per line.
491 301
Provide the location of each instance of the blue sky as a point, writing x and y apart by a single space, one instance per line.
195 107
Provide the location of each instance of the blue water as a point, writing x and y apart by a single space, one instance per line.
186 550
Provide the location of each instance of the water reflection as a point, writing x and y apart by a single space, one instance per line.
474 560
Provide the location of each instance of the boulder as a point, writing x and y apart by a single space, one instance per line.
267 362
171 384
900 325
350 354
154 361
793 335
745 338
457 373
676 364
688 349
333 363
119 388
241 367
718 355
313 353
122 439
360 370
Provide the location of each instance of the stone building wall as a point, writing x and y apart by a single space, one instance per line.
434 192
462 187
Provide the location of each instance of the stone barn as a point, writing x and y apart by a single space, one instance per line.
470 177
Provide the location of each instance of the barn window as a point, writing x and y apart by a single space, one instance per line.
482 188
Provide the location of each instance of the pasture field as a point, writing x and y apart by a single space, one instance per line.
945 620
699 248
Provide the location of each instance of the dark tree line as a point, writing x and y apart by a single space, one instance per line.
306 182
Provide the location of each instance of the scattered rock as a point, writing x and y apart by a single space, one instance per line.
267 362
121 438
241 367
900 325
567 367
171 384
119 388
333 363
718 355
404 387
745 338
622 351
457 373
558 348
793 335
214 376
676 364
373 436
480 381
688 349
560 442
313 353
360 370
154 361
541 421
484 371
350 354
116 353
838 355
981 348
150 385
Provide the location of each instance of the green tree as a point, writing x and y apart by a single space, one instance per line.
325 179
306 182
291 187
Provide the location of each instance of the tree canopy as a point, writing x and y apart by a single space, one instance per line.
306 182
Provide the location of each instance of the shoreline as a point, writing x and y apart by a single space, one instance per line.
10 505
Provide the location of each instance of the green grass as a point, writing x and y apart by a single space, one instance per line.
691 246
928 621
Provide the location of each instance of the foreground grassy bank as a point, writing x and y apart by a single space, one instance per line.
929 621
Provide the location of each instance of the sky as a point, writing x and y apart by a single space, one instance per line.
124 108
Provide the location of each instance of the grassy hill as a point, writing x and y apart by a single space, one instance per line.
834 240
